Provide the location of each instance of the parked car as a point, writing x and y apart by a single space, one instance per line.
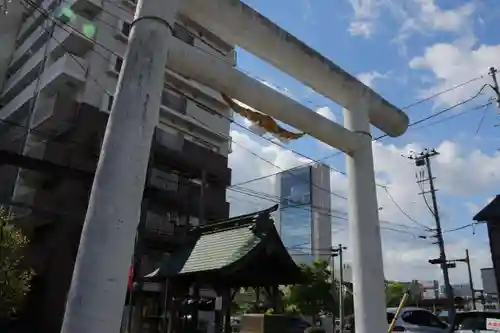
416 320
476 321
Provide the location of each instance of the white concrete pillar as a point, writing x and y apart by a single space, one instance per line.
98 288
365 242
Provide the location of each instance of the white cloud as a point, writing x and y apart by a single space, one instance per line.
401 249
326 112
369 78
365 12
453 64
421 16
361 29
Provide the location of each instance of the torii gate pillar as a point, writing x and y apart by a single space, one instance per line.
364 229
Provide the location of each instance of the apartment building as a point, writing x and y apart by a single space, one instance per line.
59 65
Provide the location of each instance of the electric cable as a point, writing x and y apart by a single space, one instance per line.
410 126
403 212
189 97
332 193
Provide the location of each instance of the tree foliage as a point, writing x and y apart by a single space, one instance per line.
394 292
14 278
310 299
314 297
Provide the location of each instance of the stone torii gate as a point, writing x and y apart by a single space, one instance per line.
99 282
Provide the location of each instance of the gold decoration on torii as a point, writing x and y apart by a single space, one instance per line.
262 120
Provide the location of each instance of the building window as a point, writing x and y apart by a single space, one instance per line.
118 64
162 223
110 102
174 101
164 180
183 34
206 144
125 28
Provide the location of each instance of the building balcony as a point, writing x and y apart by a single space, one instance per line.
174 152
31 45
206 121
54 115
160 233
65 40
208 96
29 177
184 197
87 8
35 18
66 73
24 195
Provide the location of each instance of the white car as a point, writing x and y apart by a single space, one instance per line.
416 320
477 321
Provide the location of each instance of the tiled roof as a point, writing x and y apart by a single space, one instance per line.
228 245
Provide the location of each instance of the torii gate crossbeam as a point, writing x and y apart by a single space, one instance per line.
239 24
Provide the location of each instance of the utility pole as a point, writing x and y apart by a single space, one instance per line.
333 255
423 159
97 293
493 73
471 282
338 251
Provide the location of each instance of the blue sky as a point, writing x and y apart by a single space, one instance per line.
410 49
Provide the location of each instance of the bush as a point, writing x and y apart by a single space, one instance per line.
15 280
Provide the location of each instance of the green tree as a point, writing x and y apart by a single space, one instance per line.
314 297
14 278
394 291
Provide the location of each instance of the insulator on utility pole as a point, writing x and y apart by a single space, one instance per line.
493 73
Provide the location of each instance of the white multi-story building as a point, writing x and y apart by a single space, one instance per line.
59 65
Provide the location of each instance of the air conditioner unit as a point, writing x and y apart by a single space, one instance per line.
115 65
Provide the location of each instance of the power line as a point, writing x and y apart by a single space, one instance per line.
403 212
410 126
224 116
443 92
273 142
452 116
460 228
434 115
